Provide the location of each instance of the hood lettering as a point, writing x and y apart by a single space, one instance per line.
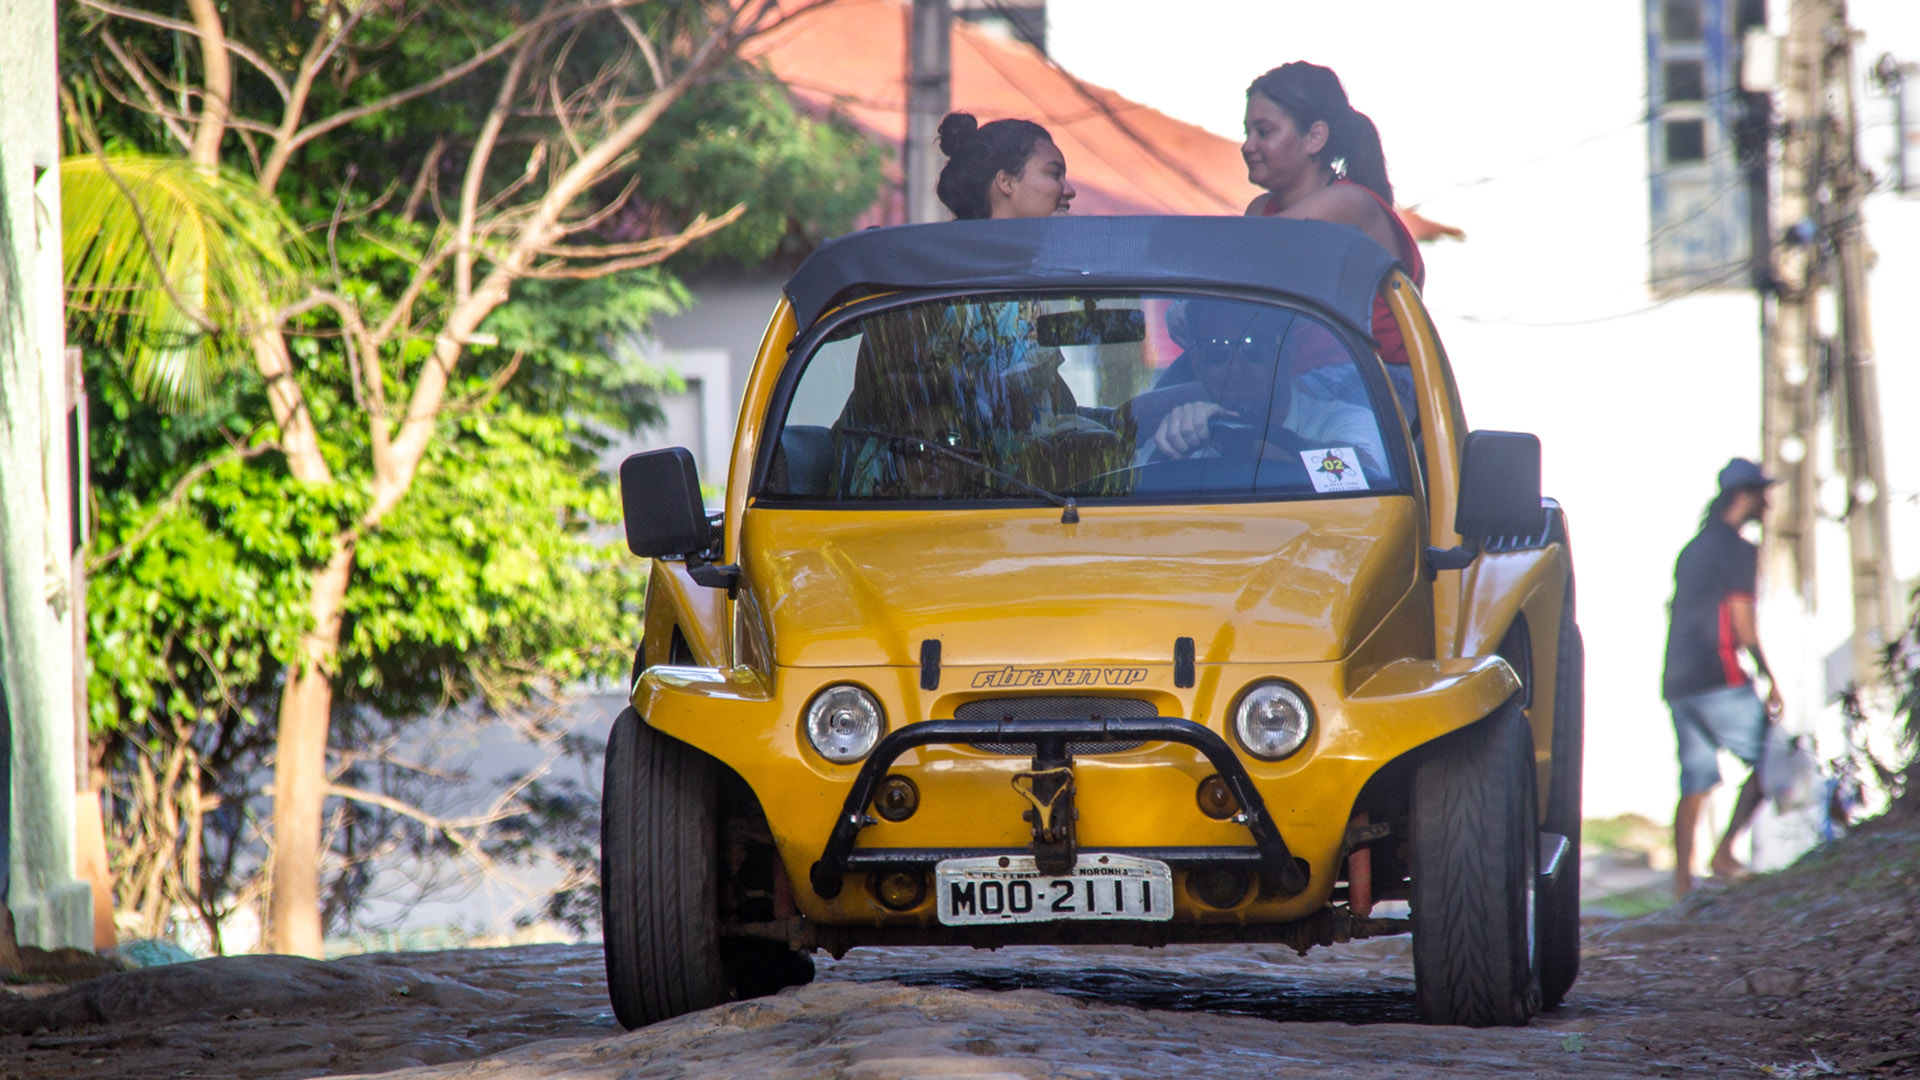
1011 677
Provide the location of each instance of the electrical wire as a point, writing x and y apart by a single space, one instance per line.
1725 276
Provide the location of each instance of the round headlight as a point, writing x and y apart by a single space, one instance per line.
843 723
1273 720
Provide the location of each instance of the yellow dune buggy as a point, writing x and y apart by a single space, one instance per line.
1093 580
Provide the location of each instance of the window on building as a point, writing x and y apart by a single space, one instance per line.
1685 80
1682 20
1686 141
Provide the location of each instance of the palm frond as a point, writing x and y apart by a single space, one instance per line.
178 265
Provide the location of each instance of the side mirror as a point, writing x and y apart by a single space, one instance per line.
1499 486
660 499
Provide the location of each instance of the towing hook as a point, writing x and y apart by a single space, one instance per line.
1044 806
1050 789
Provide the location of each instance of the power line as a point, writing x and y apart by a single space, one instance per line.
1722 277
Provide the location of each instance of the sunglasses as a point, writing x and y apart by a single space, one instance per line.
1218 350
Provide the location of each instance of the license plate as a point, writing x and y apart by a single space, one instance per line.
1010 889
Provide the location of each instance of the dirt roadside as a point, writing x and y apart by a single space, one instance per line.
1812 971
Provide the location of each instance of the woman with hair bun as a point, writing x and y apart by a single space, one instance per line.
1003 169
1320 158
996 382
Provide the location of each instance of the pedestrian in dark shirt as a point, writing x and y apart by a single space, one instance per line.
1713 699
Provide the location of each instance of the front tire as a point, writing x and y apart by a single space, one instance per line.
1475 858
659 876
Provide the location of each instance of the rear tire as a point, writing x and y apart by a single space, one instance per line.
1560 899
1475 856
659 876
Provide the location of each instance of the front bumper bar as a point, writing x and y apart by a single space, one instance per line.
1277 865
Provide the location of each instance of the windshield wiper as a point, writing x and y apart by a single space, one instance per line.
1069 514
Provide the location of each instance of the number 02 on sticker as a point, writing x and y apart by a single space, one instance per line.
1336 468
1003 889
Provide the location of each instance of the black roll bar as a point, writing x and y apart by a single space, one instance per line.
1277 864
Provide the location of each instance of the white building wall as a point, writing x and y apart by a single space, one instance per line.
50 906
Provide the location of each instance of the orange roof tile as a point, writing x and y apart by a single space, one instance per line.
1123 157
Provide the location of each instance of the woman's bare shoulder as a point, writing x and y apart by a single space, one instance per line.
1343 204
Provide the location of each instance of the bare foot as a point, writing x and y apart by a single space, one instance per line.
1726 866
1682 884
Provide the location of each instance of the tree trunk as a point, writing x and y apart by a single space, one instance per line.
217 85
300 769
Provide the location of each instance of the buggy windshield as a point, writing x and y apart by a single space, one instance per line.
1109 397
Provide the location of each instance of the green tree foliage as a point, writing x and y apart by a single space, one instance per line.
497 580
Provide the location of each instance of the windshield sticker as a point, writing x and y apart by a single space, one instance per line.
1334 469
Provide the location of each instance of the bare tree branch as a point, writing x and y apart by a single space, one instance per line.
429 171
154 106
423 275
560 100
175 120
270 176
535 159
696 229
429 389
319 51
136 15
363 354
448 826
491 389
598 217
482 152
645 44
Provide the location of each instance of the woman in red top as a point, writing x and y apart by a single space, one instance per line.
1320 158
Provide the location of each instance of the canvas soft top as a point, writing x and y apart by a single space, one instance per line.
1335 267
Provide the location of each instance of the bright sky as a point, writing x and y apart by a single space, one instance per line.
1523 123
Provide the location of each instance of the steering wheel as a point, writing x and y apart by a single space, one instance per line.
1238 439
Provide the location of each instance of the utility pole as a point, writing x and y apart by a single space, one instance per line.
1891 76
1818 240
929 96
1859 448
1790 366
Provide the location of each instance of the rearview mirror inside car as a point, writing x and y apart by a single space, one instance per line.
1099 326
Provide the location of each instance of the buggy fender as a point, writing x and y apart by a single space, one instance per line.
675 600
1412 702
1502 585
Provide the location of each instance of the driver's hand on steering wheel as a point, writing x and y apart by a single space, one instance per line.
1184 429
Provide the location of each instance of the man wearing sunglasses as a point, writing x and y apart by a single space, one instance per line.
1242 356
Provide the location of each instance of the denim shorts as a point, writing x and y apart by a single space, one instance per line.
1732 718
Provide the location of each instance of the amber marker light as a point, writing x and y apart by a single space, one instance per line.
1218 888
1216 799
897 799
901 890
